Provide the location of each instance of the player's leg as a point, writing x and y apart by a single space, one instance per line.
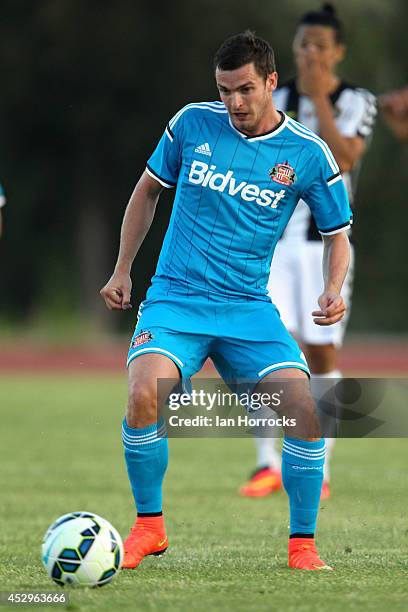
146 453
264 351
303 455
266 478
322 360
321 344
158 358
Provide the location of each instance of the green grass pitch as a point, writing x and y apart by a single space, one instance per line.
60 451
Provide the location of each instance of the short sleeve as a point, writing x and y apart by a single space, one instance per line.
326 194
358 114
165 162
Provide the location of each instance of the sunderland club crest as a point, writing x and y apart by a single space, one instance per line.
283 174
141 338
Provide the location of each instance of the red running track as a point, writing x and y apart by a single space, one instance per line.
362 358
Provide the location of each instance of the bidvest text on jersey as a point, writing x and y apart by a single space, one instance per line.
205 176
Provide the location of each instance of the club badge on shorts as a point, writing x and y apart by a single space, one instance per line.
283 174
141 338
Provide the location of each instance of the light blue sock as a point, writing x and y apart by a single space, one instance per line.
302 475
146 454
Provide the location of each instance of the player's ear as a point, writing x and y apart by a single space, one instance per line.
272 80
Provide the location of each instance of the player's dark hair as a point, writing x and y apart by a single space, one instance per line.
245 48
326 16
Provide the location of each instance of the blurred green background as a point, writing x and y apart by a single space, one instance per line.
88 87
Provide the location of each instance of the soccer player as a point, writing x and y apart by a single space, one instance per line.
343 116
239 168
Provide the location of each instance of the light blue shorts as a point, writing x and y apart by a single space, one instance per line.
245 340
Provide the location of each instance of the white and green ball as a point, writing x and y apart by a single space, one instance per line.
82 549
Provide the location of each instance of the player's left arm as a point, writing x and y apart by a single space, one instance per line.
336 259
324 191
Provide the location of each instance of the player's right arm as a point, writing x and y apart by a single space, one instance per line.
136 223
162 171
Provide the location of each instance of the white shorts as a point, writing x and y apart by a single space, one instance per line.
296 282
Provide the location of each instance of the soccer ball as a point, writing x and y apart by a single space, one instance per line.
82 549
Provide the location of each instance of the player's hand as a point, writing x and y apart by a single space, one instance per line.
332 309
394 106
395 102
116 292
314 77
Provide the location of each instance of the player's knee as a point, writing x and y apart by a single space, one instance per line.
301 414
142 405
309 420
309 409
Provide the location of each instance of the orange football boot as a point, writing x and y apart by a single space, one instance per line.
303 555
147 537
325 494
263 481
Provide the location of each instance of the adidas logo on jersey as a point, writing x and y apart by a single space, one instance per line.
205 176
204 149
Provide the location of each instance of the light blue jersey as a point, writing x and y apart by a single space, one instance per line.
234 197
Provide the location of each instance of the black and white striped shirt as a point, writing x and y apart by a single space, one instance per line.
355 113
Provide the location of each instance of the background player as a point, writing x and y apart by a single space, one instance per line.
239 167
343 116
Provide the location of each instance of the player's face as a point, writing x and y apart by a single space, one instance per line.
318 42
247 96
